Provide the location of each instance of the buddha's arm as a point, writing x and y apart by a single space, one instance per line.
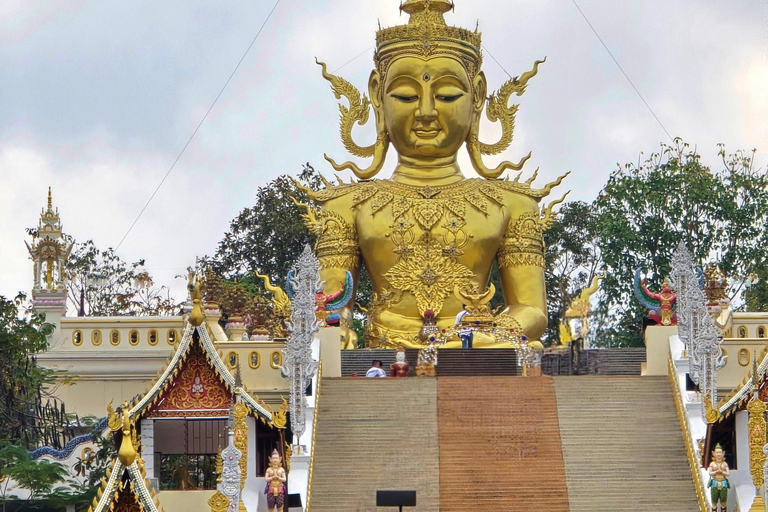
521 265
338 251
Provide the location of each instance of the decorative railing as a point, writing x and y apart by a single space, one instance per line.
73 443
681 416
314 435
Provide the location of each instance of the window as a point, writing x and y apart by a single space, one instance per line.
133 337
114 337
276 360
761 331
232 360
254 360
96 338
742 332
744 357
152 338
77 338
185 452
171 336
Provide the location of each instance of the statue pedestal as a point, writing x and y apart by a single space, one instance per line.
758 505
298 476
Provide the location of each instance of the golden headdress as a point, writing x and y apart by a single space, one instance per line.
427 35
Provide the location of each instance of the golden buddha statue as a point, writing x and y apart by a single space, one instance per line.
429 230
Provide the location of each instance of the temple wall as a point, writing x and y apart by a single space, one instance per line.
186 501
657 348
738 365
90 397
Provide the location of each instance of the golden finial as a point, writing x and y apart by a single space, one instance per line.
126 453
50 200
196 317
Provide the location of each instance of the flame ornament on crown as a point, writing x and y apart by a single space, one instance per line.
427 36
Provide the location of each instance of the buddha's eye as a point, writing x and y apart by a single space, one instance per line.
448 98
405 99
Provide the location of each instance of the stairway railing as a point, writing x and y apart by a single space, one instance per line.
681 416
314 435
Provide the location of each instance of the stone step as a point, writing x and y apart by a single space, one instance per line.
500 445
622 445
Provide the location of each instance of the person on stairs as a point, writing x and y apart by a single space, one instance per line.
376 370
718 479
466 334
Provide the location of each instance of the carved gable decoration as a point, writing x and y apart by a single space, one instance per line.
127 500
196 390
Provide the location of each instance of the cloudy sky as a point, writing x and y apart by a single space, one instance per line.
97 98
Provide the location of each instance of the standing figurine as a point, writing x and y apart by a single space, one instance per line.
276 479
718 479
400 367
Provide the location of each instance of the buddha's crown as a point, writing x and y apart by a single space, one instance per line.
427 35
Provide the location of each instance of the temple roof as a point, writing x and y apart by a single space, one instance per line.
140 406
124 483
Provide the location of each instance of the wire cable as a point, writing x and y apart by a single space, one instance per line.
350 61
496 61
199 125
622 71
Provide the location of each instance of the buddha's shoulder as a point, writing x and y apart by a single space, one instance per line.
516 188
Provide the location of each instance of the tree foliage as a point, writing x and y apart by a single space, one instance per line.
267 237
573 258
29 414
645 210
100 283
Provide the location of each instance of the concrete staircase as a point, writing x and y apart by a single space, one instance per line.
375 434
622 445
620 361
500 445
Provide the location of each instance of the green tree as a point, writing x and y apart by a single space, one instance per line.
29 414
267 237
573 258
38 477
102 284
646 209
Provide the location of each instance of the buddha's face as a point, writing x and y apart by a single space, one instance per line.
427 106
719 455
275 461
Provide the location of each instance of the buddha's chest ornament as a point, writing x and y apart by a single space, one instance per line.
427 233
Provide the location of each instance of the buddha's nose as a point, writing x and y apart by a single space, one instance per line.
426 112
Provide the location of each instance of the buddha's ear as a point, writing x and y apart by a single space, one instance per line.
374 89
480 85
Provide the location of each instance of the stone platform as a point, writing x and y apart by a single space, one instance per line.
451 362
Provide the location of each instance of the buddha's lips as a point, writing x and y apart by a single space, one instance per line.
426 134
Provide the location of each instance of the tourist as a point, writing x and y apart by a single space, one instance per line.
376 370
465 331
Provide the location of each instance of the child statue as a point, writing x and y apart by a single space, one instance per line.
400 367
718 479
276 479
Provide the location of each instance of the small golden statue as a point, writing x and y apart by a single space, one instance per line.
428 229
718 479
276 478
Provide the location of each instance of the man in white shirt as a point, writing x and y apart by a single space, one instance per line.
376 370
465 331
